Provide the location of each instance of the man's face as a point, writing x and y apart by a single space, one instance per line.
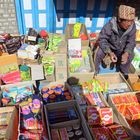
125 24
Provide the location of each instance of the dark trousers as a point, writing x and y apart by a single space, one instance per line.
124 68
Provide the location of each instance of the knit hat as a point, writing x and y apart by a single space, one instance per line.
126 12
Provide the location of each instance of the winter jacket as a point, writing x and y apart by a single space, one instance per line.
109 39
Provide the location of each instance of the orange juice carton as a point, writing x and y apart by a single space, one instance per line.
93 115
106 115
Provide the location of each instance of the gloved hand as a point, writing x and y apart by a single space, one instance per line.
124 58
113 57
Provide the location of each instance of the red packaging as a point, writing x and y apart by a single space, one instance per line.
118 107
116 99
93 115
63 134
118 132
101 133
30 135
106 115
32 124
122 108
134 98
89 99
133 112
124 99
55 134
128 98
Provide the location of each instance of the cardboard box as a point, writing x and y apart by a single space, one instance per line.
61 74
133 130
69 30
113 78
132 78
60 106
12 128
80 119
134 81
50 78
60 60
18 84
81 77
27 61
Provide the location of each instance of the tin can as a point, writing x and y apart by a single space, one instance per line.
44 90
52 98
46 96
67 98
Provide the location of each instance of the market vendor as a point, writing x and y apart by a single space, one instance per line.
117 40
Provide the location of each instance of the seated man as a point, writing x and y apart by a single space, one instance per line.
117 39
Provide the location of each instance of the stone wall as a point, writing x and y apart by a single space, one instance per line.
8 21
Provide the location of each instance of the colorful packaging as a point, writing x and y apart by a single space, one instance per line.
89 99
122 108
93 115
56 93
17 94
118 132
106 115
9 69
30 113
3 130
101 133
97 99
116 99
63 134
25 73
133 112
55 134
30 135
